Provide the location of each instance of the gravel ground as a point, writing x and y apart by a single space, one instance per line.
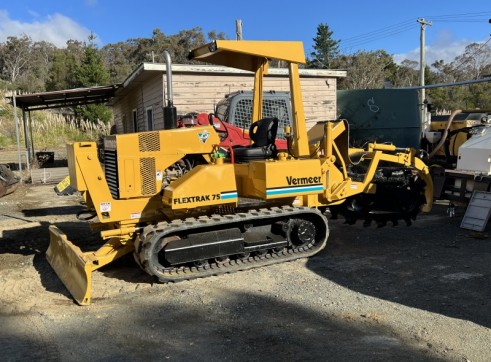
418 293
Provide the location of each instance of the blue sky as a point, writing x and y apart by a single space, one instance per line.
360 25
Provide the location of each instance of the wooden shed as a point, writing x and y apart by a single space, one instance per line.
138 104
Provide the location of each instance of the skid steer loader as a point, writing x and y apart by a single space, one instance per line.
188 208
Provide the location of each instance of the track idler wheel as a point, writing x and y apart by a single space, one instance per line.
301 232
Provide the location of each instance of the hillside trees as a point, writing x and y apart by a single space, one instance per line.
117 60
15 55
24 63
474 63
366 69
31 66
42 53
376 69
92 72
37 66
406 74
65 61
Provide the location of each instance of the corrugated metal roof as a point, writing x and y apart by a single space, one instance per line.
65 98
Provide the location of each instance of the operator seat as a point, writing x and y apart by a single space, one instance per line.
263 135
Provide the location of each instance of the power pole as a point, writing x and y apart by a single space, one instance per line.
422 94
238 29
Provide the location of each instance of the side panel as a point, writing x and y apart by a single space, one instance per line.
87 176
75 173
280 179
203 186
142 158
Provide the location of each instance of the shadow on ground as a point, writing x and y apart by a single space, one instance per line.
433 265
231 327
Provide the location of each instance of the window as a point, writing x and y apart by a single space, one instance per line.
149 113
135 120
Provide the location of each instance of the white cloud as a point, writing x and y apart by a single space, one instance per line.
55 28
444 46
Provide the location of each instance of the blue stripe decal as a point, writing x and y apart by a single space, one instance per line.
292 190
228 195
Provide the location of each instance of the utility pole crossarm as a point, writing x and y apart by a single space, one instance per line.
422 21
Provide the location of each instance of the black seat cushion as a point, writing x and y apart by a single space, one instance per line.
263 134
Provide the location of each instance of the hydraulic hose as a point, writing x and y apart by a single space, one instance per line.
445 132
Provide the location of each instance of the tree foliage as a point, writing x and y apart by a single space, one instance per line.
91 72
37 66
62 73
377 69
378 62
326 49
474 63
15 55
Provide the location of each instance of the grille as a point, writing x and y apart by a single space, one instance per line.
147 173
271 108
111 172
149 142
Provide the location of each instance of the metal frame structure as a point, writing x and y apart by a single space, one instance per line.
55 99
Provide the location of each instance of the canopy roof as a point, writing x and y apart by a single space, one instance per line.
65 98
252 53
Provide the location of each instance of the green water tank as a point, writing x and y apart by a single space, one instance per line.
381 115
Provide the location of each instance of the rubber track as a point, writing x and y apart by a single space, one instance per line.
144 245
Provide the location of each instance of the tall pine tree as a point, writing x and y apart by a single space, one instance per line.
326 49
90 73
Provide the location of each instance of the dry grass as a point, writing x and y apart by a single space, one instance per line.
53 130
49 130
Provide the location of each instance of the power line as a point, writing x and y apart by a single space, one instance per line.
406 25
460 16
462 21
380 31
377 34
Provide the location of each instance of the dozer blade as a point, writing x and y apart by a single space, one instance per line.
71 266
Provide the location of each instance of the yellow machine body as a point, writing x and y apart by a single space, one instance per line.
455 140
203 186
135 189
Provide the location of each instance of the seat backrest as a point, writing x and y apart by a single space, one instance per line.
263 132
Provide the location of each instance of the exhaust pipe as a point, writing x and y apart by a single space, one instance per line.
170 112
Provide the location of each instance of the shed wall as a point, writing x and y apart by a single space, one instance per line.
198 92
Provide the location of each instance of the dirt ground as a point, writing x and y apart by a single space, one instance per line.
418 293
